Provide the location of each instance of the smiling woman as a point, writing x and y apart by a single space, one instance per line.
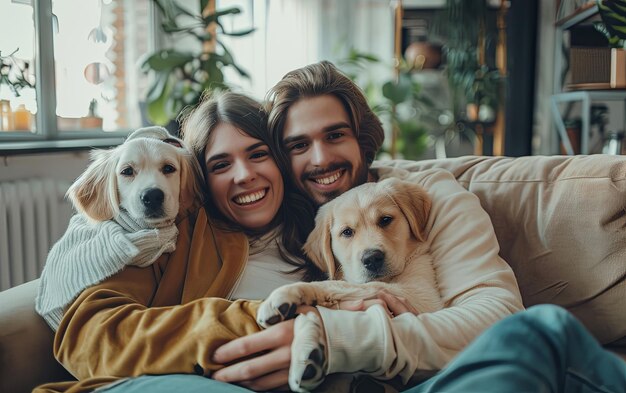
242 177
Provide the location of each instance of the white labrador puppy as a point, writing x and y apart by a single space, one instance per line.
373 238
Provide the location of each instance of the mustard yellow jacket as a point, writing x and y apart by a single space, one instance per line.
167 318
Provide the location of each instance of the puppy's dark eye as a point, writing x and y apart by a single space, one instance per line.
384 221
168 169
348 232
128 171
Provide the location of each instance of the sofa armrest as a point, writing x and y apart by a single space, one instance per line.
26 358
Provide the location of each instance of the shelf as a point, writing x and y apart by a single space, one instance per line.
585 97
583 12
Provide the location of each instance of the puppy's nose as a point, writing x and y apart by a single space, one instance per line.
373 259
152 198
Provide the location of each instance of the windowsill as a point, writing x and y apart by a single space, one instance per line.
28 147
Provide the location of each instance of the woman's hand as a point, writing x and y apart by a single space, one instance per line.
269 368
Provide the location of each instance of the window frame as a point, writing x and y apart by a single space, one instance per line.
47 137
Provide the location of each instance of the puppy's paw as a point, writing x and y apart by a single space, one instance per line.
308 354
281 304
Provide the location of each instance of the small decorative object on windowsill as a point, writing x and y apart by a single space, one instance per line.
6 116
22 119
92 120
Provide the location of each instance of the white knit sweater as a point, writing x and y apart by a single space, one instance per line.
89 252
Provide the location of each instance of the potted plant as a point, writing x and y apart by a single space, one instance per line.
14 73
399 102
475 84
92 120
180 77
613 26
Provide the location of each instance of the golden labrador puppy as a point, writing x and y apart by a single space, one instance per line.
152 176
373 238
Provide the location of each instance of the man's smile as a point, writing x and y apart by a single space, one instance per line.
328 178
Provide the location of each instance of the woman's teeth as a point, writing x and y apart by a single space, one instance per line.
249 198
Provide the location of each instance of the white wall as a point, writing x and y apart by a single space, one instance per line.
61 166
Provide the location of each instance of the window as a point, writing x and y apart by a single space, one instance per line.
79 61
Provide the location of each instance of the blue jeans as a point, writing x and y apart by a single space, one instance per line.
542 349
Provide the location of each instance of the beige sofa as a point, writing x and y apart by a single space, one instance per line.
560 221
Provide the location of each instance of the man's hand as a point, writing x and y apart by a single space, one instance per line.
265 371
269 368
270 356
263 358
392 304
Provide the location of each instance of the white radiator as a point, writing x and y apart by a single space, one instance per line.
33 216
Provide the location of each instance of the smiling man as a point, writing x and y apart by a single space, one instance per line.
324 152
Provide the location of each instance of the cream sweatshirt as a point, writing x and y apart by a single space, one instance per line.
478 289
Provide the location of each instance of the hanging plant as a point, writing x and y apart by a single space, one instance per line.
14 73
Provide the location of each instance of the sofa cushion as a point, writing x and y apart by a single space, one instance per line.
561 225
26 358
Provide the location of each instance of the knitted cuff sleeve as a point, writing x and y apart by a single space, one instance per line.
152 243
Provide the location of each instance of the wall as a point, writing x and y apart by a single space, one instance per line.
62 166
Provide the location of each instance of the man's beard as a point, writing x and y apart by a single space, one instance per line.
361 177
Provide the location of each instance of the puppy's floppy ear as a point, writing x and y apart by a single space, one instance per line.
318 244
191 182
413 201
94 193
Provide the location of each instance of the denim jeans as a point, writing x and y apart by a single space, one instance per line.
542 349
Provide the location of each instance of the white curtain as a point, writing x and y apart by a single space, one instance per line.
293 33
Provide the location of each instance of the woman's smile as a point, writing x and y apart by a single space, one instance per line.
249 199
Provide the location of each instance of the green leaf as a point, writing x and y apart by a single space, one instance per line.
158 86
159 5
156 107
355 55
178 29
204 36
177 9
613 14
239 33
229 60
217 14
213 71
398 92
166 60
